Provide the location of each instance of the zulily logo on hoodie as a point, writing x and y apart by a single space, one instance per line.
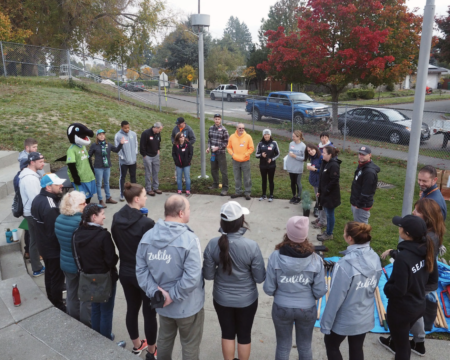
369 282
161 256
295 279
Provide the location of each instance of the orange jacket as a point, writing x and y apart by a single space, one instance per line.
240 147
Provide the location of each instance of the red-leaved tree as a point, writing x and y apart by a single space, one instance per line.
346 41
443 23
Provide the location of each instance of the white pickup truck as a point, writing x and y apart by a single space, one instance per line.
228 92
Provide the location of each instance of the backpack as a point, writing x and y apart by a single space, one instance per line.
17 205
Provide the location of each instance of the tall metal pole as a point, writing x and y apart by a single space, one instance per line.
118 82
345 125
68 65
198 116
159 93
3 59
419 103
201 77
222 104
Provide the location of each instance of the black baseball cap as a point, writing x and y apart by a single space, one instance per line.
218 115
180 120
33 156
413 225
365 150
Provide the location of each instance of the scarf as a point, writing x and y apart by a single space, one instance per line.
104 154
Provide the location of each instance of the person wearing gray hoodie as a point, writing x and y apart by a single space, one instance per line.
294 165
296 279
236 265
350 307
169 270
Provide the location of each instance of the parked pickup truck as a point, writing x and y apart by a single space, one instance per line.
279 105
229 92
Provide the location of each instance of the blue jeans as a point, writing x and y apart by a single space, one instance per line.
284 320
187 176
102 314
330 220
102 174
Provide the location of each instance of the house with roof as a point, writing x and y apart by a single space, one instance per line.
433 77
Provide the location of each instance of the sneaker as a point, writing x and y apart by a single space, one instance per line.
213 187
270 198
297 200
26 256
188 193
122 344
264 197
292 201
318 225
234 196
315 221
102 203
179 192
39 273
139 350
113 336
418 348
247 197
121 198
324 237
159 192
224 193
150 356
387 343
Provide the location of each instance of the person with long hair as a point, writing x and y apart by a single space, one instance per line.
71 208
101 150
96 253
294 165
267 151
314 155
430 211
350 305
236 265
329 192
128 227
182 155
414 268
296 279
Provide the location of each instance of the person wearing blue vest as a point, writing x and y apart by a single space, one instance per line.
427 180
72 205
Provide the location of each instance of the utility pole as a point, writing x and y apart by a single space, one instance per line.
419 103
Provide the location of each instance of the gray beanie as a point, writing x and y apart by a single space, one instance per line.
267 132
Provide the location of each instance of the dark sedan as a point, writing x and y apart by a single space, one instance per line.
133 86
386 124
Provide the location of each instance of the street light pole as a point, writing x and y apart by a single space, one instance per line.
419 103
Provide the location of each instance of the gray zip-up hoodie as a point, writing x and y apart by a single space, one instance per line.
350 307
295 282
30 187
295 166
238 289
169 256
127 156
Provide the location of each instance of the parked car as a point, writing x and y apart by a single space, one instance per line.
229 92
279 105
387 124
133 86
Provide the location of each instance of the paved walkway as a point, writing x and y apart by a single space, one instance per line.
267 226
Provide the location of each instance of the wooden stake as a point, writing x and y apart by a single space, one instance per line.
318 308
441 316
378 307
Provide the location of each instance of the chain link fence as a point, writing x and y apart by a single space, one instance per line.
386 129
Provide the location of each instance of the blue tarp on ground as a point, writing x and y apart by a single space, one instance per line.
444 279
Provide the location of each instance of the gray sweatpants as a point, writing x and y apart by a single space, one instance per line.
36 264
242 169
360 215
418 329
151 166
322 215
80 310
191 332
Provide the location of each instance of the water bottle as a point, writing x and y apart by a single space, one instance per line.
8 236
16 295
213 156
144 212
15 235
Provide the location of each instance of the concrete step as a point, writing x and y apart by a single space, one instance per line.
11 261
8 158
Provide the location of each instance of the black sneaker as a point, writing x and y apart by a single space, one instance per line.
387 343
247 197
234 196
297 200
150 356
418 348
292 201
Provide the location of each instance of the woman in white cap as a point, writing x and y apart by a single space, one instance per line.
236 265
267 151
296 279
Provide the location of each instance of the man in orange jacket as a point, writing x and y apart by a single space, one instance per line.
240 147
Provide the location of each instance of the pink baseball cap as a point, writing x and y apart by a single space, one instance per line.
297 228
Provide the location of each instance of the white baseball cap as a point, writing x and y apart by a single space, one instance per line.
51 179
232 210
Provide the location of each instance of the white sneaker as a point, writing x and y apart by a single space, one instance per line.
264 197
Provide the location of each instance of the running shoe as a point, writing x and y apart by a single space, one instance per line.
141 348
270 198
39 273
151 356
264 197
387 343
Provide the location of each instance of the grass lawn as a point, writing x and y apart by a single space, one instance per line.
44 108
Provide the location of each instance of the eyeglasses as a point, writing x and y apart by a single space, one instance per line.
82 204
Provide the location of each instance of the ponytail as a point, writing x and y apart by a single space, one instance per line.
430 258
228 227
88 212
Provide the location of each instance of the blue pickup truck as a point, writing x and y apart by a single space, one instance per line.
279 105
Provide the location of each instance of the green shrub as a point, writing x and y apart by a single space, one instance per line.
390 87
366 94
310 93
352 93
149 83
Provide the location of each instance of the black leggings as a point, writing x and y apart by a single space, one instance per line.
236 321
136 297
296 185
355 346
267 173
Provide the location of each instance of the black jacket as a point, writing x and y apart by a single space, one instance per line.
364 185
96 251
150 143
329 189
96 150
187 132
272 152
405 288
128 227
45 210
182 154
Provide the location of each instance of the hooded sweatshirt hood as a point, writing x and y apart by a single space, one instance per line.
165 232
127 217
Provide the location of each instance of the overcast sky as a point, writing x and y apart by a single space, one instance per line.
251 12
